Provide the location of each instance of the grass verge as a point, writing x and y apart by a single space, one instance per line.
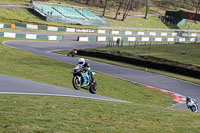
170 52
26 113
14 2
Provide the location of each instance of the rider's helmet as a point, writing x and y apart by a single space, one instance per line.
81 61
75 49
188 99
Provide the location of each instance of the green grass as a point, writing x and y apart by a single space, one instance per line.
34 67
14 2
171 52
151 22
26 113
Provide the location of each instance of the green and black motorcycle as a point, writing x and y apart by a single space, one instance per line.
78 80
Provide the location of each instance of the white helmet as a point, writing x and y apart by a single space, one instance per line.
81 61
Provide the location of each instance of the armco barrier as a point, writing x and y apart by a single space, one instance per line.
53 28
5 25
133 32
140 39
139 62
30 36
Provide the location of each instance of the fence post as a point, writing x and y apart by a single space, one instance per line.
150 46
135 44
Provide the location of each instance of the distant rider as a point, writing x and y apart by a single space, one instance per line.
73 52
192 103
85 68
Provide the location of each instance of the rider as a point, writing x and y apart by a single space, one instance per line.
73 52
85 66
192 102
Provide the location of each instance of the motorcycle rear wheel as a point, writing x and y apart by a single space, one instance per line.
93 88
192 108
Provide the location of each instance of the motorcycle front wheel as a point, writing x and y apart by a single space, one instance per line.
76 82
93 88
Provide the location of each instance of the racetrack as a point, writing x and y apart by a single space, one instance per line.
141 77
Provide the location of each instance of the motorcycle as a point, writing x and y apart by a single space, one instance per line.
192 107
72 53
78 78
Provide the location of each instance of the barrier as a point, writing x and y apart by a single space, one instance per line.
30 36
183 69
5 25
140 38
178 33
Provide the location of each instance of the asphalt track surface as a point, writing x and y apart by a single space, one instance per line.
145 78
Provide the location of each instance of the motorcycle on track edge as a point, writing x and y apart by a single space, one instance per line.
78 80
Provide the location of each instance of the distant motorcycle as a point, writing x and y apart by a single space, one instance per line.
192 104
78 78
72 53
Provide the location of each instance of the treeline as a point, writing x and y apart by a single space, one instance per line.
186 4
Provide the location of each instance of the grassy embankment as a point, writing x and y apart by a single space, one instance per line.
20 113
14 2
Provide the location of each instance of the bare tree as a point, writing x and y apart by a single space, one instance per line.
105 8
87 2
120 5
198 7
127 10
147 9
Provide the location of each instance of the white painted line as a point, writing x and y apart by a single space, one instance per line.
30 26
145 39
101 38
192 39
163 34
31 36
1 25
102 31
170 39
158 39
181 39
140 33
152 33
184 34
115 38
128 32
131 39
70 30
52 38
193 34
11 35
50 28
174 34
45 94
85 30
83 39
115 32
